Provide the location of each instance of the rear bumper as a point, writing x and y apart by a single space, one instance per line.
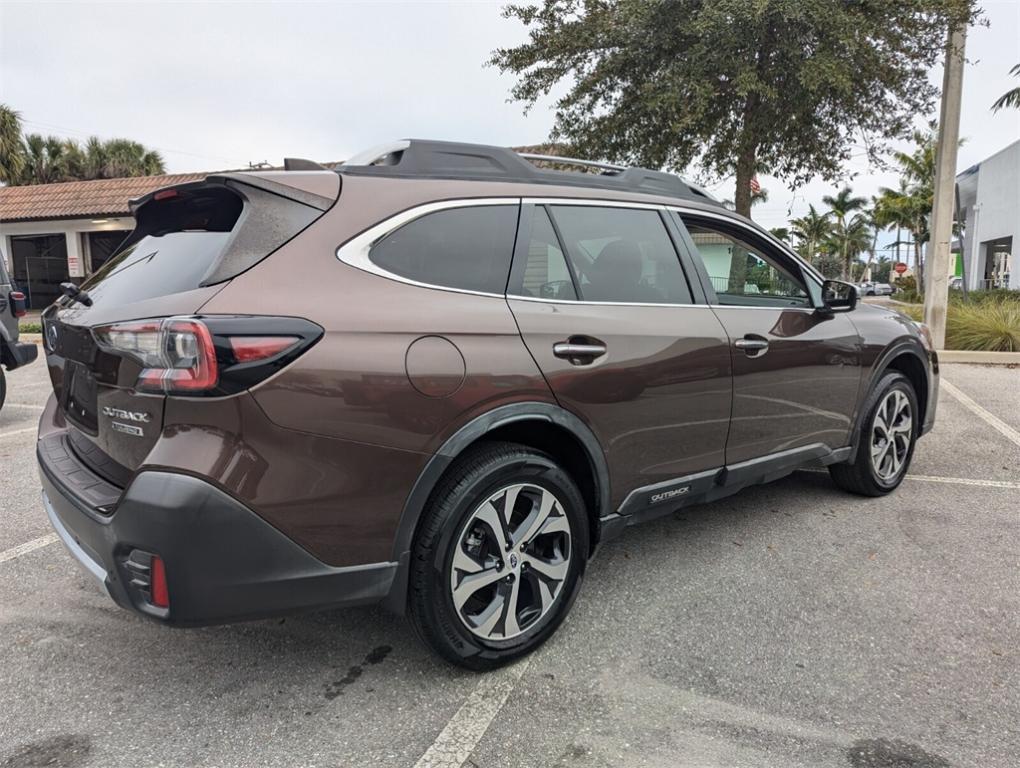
223 562
19 353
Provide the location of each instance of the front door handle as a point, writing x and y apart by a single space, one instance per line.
752 345
579 351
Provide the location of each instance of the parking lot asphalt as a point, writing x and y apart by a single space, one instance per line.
790 625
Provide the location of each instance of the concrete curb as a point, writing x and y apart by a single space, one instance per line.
978 358
35 338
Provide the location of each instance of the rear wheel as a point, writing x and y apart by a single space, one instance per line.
499 557
887 439
3 388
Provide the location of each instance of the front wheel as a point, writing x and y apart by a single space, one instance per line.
499 556
3 388
887 438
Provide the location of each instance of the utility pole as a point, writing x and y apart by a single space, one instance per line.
936 295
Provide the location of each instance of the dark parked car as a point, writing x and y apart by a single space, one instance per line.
437 378
13 353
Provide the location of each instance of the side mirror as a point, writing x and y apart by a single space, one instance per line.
838 296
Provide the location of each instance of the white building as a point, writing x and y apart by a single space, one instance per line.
990 208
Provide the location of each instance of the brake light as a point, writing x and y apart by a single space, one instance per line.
17 299
178 354
248 349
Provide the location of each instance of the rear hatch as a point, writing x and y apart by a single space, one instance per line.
104 346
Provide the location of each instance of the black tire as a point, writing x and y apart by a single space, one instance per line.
3 388
444 531
861 476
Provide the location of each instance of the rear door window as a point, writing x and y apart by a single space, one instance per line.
621 255
467 248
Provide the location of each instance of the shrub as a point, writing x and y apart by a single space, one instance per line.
988 325
30 328
992 325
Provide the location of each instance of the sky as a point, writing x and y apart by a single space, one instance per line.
219 85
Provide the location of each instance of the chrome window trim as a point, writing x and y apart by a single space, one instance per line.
540 300
592 201
355 251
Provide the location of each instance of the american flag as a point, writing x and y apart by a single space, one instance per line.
755 186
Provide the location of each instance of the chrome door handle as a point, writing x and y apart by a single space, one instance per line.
578 354
752 345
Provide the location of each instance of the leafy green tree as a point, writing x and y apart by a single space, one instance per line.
784 87
1010 98
12 158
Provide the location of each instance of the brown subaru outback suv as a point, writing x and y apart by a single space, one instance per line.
437 378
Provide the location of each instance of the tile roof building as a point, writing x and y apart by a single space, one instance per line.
51 233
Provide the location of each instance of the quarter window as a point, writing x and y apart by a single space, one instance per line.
621 255
743 274
464 248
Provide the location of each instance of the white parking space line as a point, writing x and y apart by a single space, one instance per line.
33 406
965 481
18 432
458 739
28 546
987 416
1011 486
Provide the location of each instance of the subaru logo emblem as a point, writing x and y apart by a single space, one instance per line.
51 337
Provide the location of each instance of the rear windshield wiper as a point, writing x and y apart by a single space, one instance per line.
74 293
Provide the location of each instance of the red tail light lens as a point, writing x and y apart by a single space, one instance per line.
17 299
178 354
248 349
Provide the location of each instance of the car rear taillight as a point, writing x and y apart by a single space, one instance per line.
178 354
212 355
18 304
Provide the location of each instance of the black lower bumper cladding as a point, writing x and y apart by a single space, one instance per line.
223 562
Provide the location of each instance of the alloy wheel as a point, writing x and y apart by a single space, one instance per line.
890 435
510 561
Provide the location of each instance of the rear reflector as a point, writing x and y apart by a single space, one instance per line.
160 593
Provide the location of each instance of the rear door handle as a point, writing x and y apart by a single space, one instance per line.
579 353
752 345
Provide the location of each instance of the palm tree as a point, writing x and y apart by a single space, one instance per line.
811 230
1010 98
843 204
12 157
781 233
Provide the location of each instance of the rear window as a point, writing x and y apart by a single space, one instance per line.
157 266
464 248
197 236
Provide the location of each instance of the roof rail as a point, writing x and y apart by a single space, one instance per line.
608 167
425 159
